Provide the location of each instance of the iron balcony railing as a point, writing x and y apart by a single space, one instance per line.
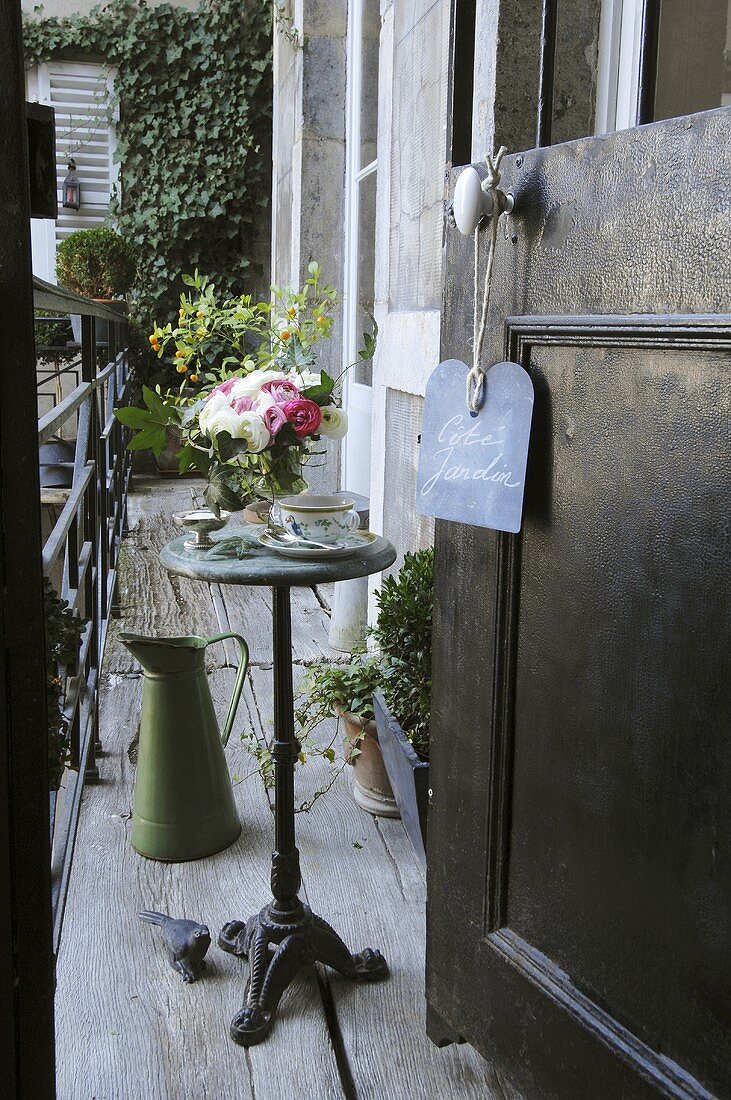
81 550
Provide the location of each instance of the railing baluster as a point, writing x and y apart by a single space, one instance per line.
85 540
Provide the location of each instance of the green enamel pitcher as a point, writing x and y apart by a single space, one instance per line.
183 803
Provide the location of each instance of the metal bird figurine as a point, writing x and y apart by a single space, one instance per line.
187 942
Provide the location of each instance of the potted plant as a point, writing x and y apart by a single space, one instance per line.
250 423
99 264
347 690
403 634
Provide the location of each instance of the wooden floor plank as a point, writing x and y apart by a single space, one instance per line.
128 1027
361 875
250 611
152 600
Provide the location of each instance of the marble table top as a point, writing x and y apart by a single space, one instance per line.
261 566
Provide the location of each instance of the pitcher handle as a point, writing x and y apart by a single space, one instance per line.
238 686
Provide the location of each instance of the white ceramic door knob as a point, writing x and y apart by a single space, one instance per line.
471 204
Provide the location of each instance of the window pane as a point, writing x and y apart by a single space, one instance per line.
369 77
693 66
363 372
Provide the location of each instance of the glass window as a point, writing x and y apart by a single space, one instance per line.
693 57
363 371
361 134
661 61
360 186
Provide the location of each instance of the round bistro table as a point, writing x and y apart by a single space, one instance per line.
285 935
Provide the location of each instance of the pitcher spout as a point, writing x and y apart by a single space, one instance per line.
166 655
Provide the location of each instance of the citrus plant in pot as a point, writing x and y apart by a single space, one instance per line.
403 634
347 690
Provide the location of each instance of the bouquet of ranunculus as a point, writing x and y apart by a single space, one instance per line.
249 421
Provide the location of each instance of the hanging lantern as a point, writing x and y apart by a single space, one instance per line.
72 188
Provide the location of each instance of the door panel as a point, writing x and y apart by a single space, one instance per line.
611 594
579 832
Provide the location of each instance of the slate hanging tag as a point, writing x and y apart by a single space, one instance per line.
472 466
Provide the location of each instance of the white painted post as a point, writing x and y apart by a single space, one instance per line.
349 615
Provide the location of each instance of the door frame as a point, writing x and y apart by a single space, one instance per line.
26 956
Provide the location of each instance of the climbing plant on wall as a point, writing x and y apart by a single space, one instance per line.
193 137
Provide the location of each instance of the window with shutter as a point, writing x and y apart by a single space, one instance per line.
81 96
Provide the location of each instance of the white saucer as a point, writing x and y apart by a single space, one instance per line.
349 544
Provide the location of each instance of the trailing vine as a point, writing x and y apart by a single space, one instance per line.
193 138
286 26
64 631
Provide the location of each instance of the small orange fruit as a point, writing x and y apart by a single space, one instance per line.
152 339
179 354
194 377
321 320
181 368
285 334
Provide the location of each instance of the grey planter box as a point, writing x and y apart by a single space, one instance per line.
409 775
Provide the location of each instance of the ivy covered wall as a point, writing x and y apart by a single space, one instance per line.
193 138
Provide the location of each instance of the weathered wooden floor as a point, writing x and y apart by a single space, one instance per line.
128 1028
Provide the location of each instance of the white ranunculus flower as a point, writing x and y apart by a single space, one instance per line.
305 378
264 401
217 416
334 422
253 429
250 385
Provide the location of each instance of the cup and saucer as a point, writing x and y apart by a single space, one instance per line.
316 527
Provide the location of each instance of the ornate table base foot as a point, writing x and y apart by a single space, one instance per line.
278 943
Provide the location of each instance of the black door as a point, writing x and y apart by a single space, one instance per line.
579 883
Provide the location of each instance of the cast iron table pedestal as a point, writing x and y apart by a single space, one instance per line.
285 935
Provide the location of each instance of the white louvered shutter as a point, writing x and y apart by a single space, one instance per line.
80 94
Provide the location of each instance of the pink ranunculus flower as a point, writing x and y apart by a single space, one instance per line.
275 418
282 391
224 387
304 416
242 404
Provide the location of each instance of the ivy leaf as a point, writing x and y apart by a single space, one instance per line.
322 390
223 492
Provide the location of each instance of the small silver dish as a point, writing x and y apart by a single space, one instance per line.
201 521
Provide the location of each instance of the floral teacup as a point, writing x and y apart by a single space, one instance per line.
316 518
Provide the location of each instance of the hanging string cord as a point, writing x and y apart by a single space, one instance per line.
476 376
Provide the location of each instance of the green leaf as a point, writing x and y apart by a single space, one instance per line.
134 417
156 405
154 437
321 392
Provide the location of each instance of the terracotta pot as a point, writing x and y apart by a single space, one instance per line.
371 788
167 462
